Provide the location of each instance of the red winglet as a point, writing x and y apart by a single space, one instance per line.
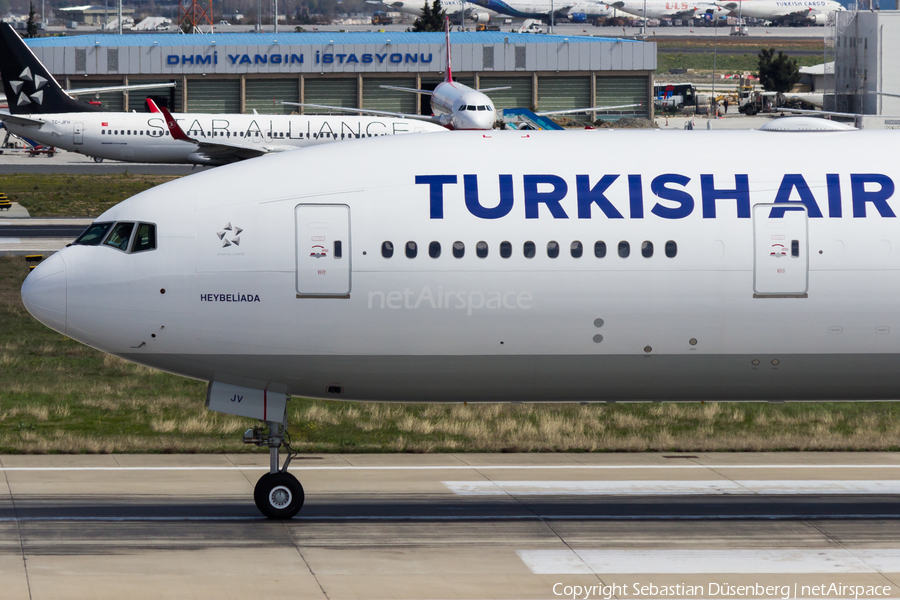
151 106
174 127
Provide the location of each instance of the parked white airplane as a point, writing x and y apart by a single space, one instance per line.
455 105
535 267
452 7
816 12
528 9
668 10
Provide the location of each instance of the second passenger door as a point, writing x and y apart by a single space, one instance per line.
781 250
323 250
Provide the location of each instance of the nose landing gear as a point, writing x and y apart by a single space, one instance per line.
278 494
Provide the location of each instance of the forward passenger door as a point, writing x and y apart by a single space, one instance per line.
323 250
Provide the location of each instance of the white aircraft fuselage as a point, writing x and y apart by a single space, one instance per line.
460 107
547 266
680 9
144 137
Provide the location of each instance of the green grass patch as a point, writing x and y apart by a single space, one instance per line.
725 63
61 195
59 396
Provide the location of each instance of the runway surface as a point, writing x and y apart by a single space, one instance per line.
453 526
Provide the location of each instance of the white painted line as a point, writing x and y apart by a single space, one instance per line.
456 467
440 518
683 562
670 488
10 240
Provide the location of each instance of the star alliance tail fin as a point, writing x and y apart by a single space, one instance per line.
29 88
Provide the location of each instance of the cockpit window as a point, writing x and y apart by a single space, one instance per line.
119 236
145 238
93 235
471 107
462 107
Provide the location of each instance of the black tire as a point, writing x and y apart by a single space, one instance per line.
278 496
97 159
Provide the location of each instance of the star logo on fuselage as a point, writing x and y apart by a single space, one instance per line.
233 232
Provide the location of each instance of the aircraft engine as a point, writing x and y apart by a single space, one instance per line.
479 16
819 19
577 17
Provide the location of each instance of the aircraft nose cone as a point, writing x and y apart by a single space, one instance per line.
44 293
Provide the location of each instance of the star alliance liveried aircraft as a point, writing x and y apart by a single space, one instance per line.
56 119
535 267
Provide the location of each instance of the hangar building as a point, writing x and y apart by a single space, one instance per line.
243 72
867 63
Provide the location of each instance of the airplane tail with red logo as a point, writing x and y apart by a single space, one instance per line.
449 76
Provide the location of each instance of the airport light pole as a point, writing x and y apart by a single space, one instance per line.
551 16
275 18
644 20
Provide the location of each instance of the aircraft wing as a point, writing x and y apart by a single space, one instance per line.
220 149
119 88
403 89
584 110
114 88
367 111
506 87
23 121
803 111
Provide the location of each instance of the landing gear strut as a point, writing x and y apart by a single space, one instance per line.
278 494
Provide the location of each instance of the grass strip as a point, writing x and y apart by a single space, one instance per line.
59 396
725 63
61 195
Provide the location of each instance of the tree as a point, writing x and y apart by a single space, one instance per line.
432 18
31 26
777 73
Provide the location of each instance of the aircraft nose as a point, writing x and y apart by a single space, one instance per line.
44 293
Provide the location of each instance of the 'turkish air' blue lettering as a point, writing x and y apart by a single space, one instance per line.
547 195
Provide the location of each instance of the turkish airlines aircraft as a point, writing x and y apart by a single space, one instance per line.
668 10
456 105
212 139
452 7
534 267
816 12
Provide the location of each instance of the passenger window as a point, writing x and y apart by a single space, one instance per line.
459 249
552 249
93 235
145 239
119 236
505 249
434 249
528 249
576 249
411 249
387 249
624 249
647 249
338 249
671 249
481 249
600 249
